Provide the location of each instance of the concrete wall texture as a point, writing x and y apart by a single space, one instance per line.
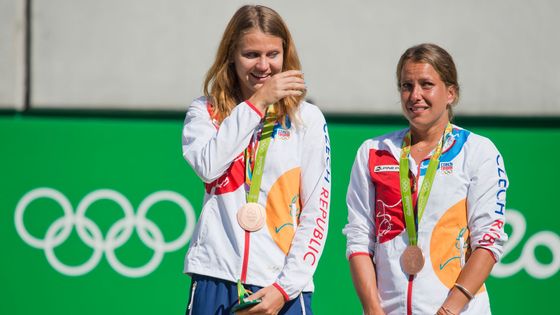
12 54
152 55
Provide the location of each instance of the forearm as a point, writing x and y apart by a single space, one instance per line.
310 236
308 243
472 277
210 151
365 283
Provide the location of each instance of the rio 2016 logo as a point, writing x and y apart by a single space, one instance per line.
118 234
527 259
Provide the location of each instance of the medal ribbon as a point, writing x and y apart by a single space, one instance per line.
242 293
253 177
411 226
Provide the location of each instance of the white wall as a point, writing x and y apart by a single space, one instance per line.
148 54
12 54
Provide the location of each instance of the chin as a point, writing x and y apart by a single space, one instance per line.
415 119
419 122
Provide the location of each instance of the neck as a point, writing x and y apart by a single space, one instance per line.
428 135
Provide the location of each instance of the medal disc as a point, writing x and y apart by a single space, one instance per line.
412 260
251 216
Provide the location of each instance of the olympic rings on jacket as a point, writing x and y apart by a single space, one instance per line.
118 234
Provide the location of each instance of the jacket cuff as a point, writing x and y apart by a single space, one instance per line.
286 297
359 254
261 115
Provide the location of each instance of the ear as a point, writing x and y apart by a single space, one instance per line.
451 94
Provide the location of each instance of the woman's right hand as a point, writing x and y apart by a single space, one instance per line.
279 86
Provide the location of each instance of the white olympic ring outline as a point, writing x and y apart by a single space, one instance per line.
118 234
527 259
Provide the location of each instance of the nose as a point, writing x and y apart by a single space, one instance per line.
416 93
262 64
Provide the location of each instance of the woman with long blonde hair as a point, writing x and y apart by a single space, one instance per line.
264 156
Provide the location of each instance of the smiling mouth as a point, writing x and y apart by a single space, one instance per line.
260 76
418 109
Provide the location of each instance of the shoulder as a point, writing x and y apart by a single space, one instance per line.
388 144
198 108
387 141
308 117
309 111
197 111
474 141
478 150
199 102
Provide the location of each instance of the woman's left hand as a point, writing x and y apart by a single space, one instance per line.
272 302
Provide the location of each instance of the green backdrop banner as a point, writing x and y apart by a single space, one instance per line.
96 215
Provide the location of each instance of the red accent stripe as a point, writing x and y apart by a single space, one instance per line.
277 286
359 254
210 110
409 296
254 108
245 257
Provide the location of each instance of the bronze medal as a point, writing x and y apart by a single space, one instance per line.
412 260
251 216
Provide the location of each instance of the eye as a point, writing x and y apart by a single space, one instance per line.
427 85
405 86
250 55
273 54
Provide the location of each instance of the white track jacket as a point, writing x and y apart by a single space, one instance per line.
295 191
465 210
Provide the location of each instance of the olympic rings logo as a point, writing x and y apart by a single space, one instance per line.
118 234
528 260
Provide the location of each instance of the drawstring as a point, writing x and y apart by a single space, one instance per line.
189 308
302 303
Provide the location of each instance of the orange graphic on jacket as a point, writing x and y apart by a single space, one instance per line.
283 208
449 247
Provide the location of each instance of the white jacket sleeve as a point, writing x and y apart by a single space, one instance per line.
209 150
310 237
486 198
360 231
